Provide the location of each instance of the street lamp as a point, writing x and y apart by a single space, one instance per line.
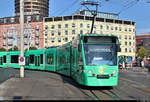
21 35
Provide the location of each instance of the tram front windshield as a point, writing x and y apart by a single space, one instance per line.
97 54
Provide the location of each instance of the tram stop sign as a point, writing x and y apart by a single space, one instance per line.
21 61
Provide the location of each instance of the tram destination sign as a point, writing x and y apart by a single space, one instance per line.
21 61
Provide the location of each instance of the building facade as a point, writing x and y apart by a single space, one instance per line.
10 32
63 29
143 40
33 7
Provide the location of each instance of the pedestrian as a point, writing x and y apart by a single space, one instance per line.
142 64
123 65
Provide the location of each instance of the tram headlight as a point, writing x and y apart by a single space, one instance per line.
90 71
114 72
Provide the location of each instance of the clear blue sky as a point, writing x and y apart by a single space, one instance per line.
133 10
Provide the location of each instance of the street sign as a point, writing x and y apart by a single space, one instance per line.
21 61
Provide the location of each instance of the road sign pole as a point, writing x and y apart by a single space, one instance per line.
21 35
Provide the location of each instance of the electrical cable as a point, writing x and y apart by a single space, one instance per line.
71 5
129 5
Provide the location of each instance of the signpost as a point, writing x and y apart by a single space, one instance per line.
21 61
21 38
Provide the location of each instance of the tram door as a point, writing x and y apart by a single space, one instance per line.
27 60
37 60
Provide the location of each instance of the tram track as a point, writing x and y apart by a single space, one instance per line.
105 95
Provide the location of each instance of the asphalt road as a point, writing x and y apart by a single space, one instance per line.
39 85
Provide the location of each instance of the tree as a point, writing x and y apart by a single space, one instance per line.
142 52
10 49
15 48
2 49
32 48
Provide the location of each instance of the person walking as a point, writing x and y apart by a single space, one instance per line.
142 64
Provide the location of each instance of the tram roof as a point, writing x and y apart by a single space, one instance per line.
106 35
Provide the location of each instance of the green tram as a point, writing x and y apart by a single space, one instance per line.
91 60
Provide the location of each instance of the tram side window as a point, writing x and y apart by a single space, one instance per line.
15 59
50 59
4 57
62 60
41 57
31 59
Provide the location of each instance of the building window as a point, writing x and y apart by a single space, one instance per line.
125 43
73 38
129 29
101 26
53 27
88 25
119 36
88 31
116 28
130 37
81 25
29 18
112 28
52 40
130 43
37 18
126 50
59 26
125 36
73 25
95 26
66 39
46 27
45 40
59 33
73 32
120 28
129 50
126 29
107 27
12 20
66 32
52 33
59 39
46 33
66 25
81 31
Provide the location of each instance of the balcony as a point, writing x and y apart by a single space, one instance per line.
25 35
37 42
37 27
10 35
4 43
26 41
10 42
4 36
37 34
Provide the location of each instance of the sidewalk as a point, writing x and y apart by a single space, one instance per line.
135 69
39 89
39 85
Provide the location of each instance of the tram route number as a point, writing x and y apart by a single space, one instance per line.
21 61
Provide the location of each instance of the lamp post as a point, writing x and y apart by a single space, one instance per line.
21 36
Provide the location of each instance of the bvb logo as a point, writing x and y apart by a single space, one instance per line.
101 69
